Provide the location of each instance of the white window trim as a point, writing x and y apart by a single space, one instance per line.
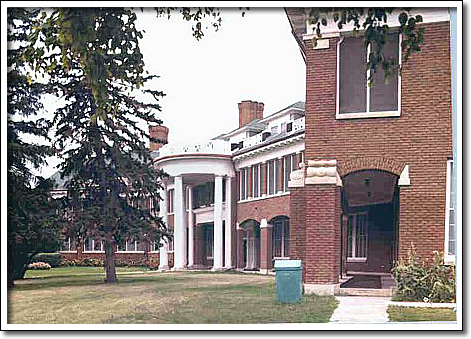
69 250
449 258
93 246
367 114
258 181
126 251
354 258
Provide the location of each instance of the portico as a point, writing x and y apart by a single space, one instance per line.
208 169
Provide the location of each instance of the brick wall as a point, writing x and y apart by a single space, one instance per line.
420 137
263 208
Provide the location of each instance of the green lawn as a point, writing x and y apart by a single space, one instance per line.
76 271
400 313
67 295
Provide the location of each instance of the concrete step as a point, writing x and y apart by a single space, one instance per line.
370 292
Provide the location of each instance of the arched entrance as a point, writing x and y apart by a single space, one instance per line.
280 237
370 207
251 244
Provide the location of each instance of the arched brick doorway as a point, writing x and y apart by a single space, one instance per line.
370 214
250 243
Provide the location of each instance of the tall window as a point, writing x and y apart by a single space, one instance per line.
244 180
280 238
171 197
256 181
131 246
355 96
357 242
271 177
289 166
69 245
92 245
277 175
450 239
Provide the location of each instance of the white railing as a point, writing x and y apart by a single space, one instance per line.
220 147
297 125
253 140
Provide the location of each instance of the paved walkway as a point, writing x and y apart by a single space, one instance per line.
359 310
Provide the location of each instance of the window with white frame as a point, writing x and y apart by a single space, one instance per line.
68 245
278 163
171 197
131 246
92 245
271 177
357 236
154 246
289 166
280 238
450 230
170 245
355 97
244 181
256 180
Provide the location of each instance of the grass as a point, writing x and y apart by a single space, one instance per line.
77 270
67 295
402 313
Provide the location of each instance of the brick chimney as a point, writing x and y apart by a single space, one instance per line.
249 110
159 132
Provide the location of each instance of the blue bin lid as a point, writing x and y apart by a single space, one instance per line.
287 264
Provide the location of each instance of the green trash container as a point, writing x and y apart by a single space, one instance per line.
288 280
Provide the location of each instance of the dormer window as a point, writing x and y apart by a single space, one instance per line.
355 99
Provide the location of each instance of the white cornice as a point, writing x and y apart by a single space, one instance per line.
269 147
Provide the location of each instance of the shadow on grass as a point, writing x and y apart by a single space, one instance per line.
88 280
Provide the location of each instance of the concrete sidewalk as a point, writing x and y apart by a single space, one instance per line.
358 310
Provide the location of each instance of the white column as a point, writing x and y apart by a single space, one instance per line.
163 251
228 230
191 259
217 223
179 227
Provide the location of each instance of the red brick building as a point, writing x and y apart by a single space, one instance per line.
347 181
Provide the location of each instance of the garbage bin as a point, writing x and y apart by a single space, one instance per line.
288 280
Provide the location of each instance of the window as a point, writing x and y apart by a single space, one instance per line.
271 177
131 246
357 237
356 98
450 231
170 245
154 246
289 166
244 180
277 175
256 181
68 245
92 245
171 196
280 238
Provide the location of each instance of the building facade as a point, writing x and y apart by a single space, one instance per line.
347 182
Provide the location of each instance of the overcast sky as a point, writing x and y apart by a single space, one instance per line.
254 57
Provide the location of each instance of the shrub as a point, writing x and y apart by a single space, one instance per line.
53 259
420 282
39 266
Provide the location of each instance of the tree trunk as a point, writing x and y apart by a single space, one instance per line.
110 266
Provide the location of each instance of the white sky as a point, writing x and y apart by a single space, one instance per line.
254 57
